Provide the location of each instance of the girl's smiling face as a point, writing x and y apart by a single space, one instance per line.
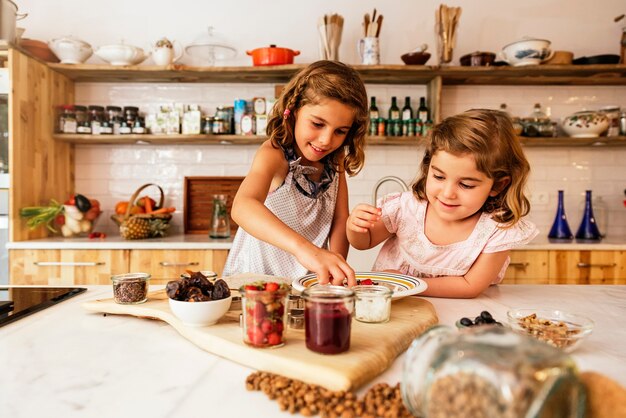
455 188
321 128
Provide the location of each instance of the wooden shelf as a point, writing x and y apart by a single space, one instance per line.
149 139
614 74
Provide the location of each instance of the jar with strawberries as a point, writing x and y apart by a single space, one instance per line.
264 313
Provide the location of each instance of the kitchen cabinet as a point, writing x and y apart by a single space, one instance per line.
66 267
566 267
165 265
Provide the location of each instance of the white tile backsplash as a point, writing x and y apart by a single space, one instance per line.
112 173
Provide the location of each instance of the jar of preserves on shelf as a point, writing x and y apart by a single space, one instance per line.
81 114
207 125
96 116
67 120
130 114
220 126
138 127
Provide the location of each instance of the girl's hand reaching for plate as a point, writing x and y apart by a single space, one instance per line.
330 267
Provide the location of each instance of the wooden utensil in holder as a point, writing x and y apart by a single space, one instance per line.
447 19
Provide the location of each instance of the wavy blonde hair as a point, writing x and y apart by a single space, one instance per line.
324 80
489 137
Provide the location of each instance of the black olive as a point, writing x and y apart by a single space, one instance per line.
82 203
466 322
486 316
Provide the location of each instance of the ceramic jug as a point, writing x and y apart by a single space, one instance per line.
489 371
164 52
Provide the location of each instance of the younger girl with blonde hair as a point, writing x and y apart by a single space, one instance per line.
292 206
455 228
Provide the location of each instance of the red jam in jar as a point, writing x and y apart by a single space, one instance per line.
328 318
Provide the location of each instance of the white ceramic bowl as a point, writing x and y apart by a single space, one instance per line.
70 50
527 52
586 124
121 54
200 314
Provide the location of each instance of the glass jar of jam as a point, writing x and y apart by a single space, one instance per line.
328 318
96 117
130 114
264 306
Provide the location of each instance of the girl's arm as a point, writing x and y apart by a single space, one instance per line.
269 168
482 273
338 240
365 229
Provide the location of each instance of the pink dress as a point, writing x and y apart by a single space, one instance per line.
411 252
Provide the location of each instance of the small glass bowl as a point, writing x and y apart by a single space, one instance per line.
130 288
372 303
557 328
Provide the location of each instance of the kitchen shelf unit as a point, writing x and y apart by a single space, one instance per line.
203 139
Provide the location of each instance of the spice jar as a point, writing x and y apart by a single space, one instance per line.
372 303
495 371
328 318
264 313
130 288
96 117
67 120
130 114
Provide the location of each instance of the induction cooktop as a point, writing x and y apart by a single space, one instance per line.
18 302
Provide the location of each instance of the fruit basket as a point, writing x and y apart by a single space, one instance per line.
151 224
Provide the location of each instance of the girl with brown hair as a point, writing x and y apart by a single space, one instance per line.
465 212
292 206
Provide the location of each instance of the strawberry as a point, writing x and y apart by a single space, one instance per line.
274 339
366 282
250 287
266 326
279 326
271 286
259 312
258 337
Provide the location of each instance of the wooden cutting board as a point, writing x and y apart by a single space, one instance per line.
373 347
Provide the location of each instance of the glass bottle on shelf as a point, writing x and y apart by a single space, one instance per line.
588 229
560 231
220 222
423 113
394 110
407 111
373 109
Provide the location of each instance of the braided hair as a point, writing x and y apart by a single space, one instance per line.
324 80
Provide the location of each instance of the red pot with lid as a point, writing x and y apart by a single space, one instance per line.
272 55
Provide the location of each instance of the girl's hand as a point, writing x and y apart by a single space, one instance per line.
363 218
328 266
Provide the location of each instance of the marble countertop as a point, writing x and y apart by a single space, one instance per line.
202 242
67 362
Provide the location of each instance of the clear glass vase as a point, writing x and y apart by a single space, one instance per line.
560 231
220 221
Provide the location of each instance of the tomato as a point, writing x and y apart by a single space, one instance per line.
271 286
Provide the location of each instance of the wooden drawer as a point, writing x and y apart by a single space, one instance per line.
588 267
166 265
527 267
66 267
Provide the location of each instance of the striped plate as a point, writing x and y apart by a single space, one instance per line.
400 284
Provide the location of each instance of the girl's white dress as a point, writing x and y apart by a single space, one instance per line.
411 252
305 206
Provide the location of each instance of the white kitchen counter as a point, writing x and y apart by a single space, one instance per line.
66 362
202 242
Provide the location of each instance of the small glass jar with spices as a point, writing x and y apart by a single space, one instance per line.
81 114
207 125
221 126
96 116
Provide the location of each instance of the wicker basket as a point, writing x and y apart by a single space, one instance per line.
123 220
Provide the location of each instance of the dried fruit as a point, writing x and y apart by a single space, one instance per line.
197 288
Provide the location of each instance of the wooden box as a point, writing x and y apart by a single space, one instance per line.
198 201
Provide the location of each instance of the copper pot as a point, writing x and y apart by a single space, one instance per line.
272 55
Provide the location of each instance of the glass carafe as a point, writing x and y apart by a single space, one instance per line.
489 371
220 222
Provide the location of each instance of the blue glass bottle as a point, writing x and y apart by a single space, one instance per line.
560 231
588 229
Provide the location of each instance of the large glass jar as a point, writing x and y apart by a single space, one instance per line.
220 221
264 306
328 318
489 371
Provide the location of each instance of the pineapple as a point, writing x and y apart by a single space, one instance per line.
158 227
135 228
